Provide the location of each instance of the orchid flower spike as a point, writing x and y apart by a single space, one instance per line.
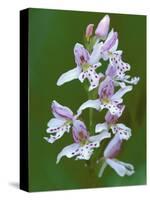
110 87
107 98
84 144
103 27
86 67
62 122
111 151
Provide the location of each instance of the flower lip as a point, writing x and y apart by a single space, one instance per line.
112 119
121 168
123 131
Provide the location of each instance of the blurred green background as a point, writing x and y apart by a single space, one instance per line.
52 36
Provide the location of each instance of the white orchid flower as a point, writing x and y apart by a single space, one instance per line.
111 151
84 144
116 67
86 67
107 98
62 122
119 77
115 127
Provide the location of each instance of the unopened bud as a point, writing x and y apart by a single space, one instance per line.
89 30
103 27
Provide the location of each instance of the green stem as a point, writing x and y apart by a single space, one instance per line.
91 95
90 120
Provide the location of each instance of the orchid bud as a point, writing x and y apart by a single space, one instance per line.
103 27
89 31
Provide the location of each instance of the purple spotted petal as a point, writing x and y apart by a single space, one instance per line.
112 119
112 107
83 76
122 130
121 67
106 88
68 151
93 78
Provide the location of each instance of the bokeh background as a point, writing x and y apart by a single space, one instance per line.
52 36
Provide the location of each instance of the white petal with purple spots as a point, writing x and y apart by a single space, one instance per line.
112 107
124 131
55 124
93 78
121 67
82 76
53 137
68 151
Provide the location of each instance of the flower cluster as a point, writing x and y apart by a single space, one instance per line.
110 86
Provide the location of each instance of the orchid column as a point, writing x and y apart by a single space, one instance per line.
105 91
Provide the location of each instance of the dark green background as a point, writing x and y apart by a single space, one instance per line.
52 36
